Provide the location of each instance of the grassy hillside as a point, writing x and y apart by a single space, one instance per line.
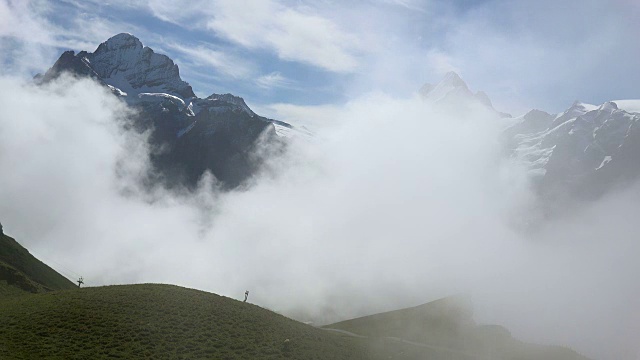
159 322
14 283
169 322
21 272
45 316
448 324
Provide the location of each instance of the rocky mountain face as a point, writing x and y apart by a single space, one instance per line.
190 135
575 155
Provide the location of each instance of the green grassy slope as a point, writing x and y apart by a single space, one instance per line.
448 324
160 322
19 270
14 283
169 322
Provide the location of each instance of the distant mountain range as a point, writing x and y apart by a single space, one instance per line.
581 153
578 154
190 135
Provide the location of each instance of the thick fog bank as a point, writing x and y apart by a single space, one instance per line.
393 204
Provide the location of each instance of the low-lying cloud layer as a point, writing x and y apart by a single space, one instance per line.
394 204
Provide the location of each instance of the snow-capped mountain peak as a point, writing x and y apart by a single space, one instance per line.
578 108
453 91
450 85
580 152
126 64
195 135
453 79
119 41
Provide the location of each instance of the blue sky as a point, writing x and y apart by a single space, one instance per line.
524 54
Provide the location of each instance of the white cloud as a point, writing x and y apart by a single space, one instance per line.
25 34
223 62
187 14
273 80
415 5
315 118
295 34
518 52
440 63
24 19
30 40
545 54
